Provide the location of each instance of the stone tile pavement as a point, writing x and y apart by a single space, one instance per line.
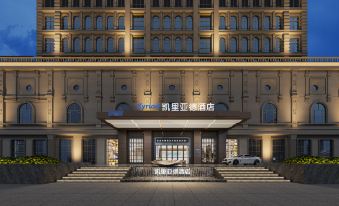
163 194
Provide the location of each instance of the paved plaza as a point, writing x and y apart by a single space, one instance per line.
211 194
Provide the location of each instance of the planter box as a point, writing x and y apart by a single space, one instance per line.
307 174
34 174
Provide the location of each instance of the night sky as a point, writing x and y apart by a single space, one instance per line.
18 22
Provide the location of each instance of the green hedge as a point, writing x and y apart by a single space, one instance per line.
34 160
312 160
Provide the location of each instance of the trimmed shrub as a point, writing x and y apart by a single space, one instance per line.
312 160
34 160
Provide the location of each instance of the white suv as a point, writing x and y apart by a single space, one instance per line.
242 159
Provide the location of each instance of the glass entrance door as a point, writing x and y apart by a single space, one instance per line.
172 149
112 152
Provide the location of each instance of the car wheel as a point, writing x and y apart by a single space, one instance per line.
256 162
235 162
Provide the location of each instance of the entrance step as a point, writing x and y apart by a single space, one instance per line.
249 175
100 174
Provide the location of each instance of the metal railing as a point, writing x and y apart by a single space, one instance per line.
171 59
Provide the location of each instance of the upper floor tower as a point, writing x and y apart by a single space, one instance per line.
172 27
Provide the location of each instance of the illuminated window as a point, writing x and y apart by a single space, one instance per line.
231 148
318 114
89 151
208 150
269 113
136 150
74 113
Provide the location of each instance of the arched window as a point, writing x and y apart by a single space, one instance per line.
123 107
318 114
269 113
233 45
88 23
244 23
233 23
178 23
155 44
167 45
74 113
167 23
64 22
99 45
178 44
121 22
65 47
76 45
278 23
222 23
244 45
110 45
222 45
121 45
76 22
155 23
267 23
189 44
110 22
267 45
189 23
255 23
99 23
88 45
255 45
220 107
26 115
278 45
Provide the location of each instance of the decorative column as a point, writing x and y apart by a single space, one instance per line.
128 19
123 148
101 151
77 148
216 28
292 146
222 135
2 119
267 147
51 142
196 27
148 147
197 147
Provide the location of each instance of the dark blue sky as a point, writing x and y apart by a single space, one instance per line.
18 21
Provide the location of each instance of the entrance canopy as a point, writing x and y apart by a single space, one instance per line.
173 120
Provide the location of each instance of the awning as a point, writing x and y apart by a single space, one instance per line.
173 120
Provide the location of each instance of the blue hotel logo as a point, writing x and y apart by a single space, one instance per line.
142 107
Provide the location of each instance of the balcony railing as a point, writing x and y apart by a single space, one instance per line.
171 59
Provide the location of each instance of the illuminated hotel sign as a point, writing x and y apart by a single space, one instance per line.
171 171
177 107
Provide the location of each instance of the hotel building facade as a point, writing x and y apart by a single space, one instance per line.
131 81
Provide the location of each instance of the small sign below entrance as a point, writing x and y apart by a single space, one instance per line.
171 171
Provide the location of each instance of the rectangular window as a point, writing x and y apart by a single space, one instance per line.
112 152
110 3
136 150
222 3
49 22
155 3
304 147
121 3
18 148
87 3
89 150
76 3
208 150
268 3
294 45
189 3
49 45
232 148
138 4
278 150
49 3
279 3
205 45
65 150
40 147
167 3
255 147
234 3
138 23
326 148
64 3
294 23
256 3
98 3
205 3
295 3
278 23
178 3
138 45
205 23
245 3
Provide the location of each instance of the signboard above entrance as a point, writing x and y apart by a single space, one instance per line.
177 107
